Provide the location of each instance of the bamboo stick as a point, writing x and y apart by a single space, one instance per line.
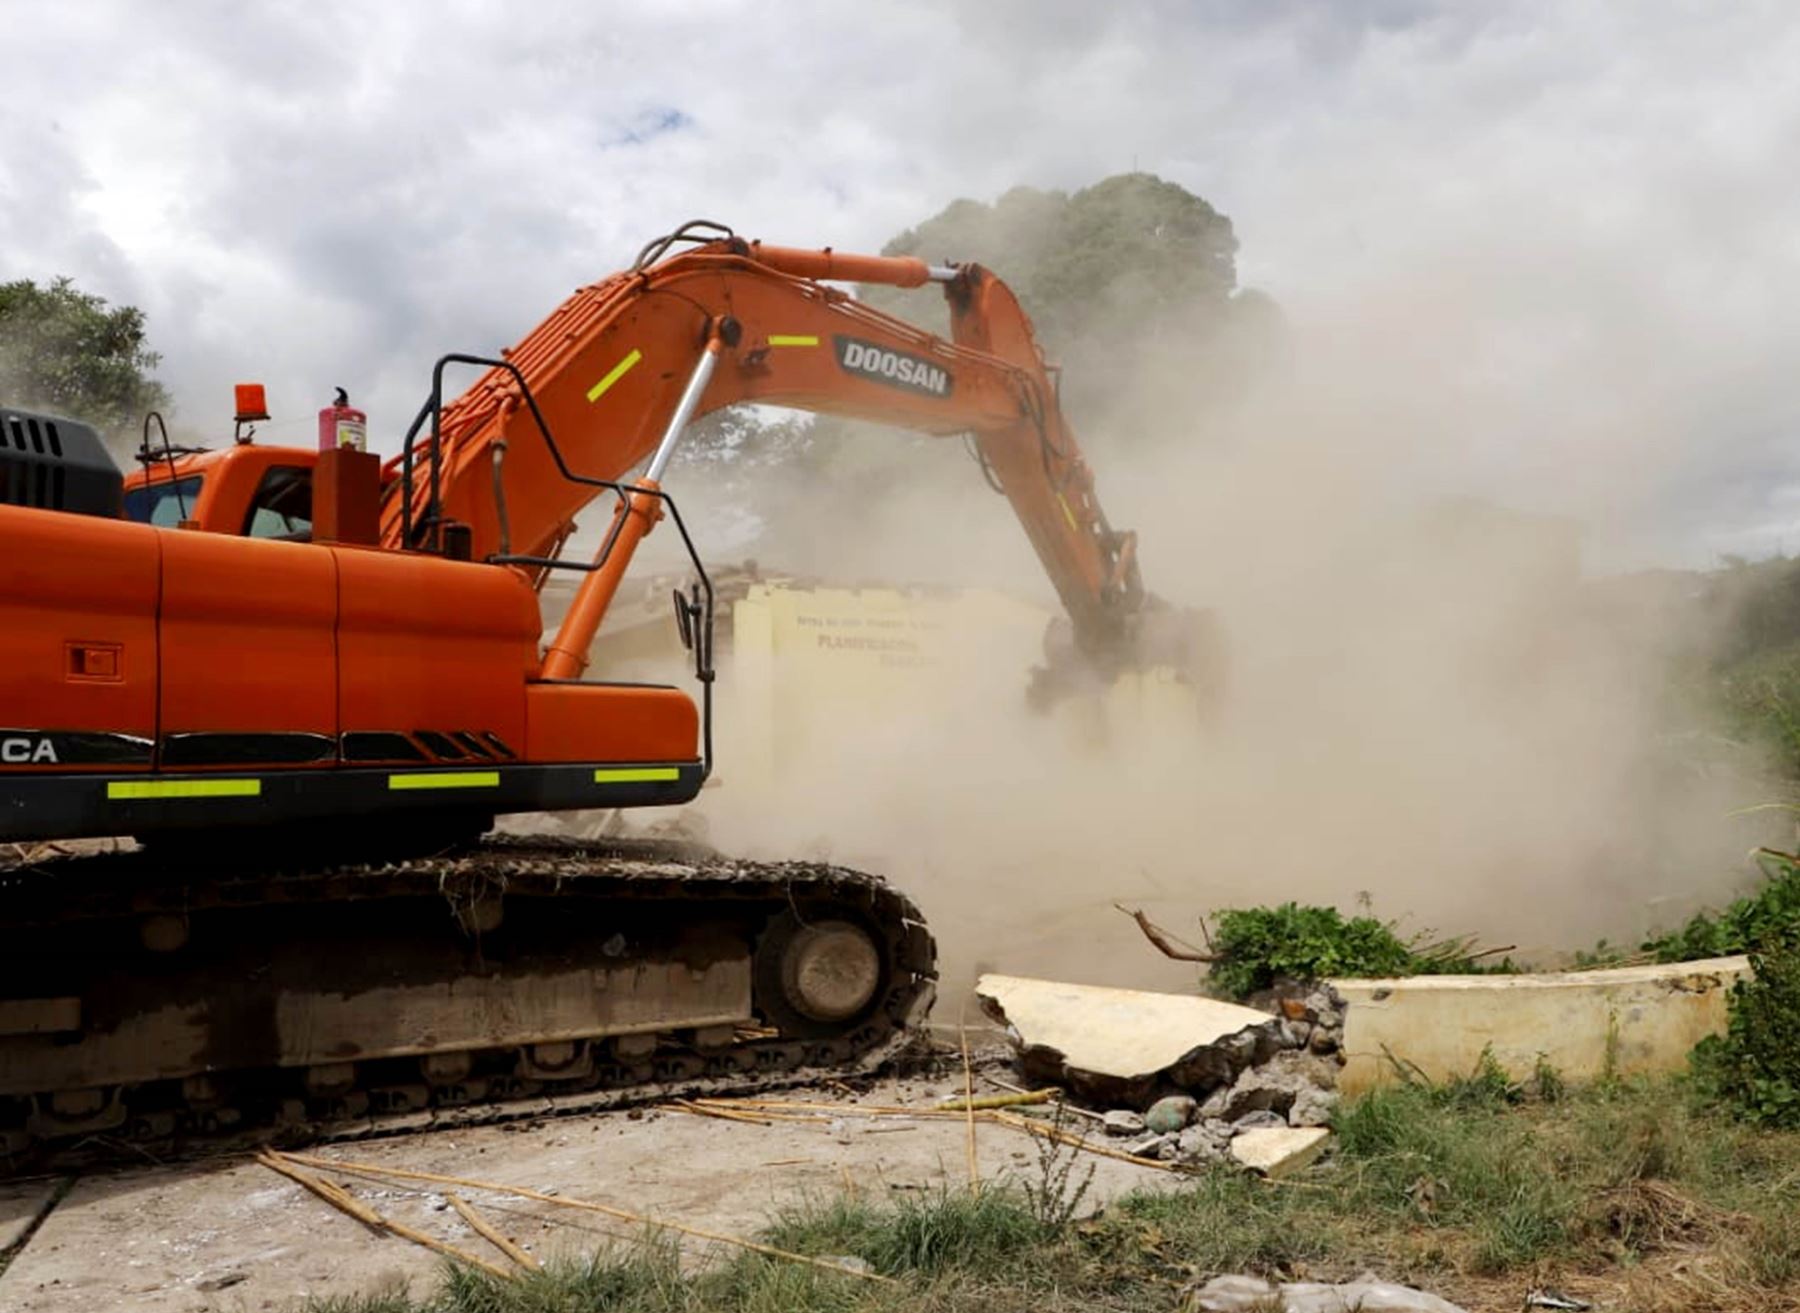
522 1192
723 1114
991 1102
969 1107
1031 1127
1064 1103
491 1233
341 1199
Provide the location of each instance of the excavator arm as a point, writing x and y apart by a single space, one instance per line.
623 365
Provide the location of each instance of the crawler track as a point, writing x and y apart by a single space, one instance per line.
173 1008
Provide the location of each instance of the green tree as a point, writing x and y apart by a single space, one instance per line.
1131 284
69 351
1125 251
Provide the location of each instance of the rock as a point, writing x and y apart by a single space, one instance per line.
1254 1295
1273 1086
1147 1146
1123 1121
1203 1143
1312 1107
1323 1040
850 1262
1297 1034
1250 1121
1278 1150
1166 1116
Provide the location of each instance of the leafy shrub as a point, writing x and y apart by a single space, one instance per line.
1255 946
1755 1066
1772 912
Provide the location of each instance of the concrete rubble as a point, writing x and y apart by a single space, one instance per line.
1183 1078
1240 1294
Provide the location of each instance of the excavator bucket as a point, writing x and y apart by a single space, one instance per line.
1183 644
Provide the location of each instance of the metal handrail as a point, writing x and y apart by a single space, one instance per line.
433 522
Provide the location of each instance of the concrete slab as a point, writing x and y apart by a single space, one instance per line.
1277 1151
1118 1044
1631 1020
231 1236
21 1204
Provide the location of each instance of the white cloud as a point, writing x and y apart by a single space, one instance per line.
1573 222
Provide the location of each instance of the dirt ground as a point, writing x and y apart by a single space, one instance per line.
232 1236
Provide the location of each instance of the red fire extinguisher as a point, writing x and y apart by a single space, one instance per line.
341 425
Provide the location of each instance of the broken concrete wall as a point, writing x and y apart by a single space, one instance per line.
1184 1078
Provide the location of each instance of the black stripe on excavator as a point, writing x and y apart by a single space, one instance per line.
51 747
238 749
441 746
474 746
74 806
380 745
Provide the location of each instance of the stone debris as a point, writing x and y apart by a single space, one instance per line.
1256 1120
1241 1294
1168 1115
1148 1145
1277 1151
1227 1071
1204 1141
1296 1078
1123 1121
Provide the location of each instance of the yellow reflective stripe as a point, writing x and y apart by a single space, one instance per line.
636 774
793 339
614 374
139 790
1069 514
447 779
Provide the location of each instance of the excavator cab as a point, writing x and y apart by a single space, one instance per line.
245 490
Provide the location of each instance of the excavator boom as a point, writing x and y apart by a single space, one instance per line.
610 367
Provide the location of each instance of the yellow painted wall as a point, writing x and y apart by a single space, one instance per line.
1635 1020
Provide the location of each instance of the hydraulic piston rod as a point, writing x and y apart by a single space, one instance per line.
633 517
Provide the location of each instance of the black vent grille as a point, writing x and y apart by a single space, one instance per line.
56 464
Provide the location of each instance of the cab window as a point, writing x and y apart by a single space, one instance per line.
282 506
164 504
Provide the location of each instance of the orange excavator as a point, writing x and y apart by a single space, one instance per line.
306 683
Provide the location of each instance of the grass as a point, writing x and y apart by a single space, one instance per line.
1637 1195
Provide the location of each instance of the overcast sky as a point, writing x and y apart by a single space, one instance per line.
1587 216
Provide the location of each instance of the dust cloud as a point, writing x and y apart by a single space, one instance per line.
1434 710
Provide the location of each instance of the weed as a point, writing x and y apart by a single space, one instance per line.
981 1232
1755 1066
1547 1082
1256 946
1056 1196
1772 912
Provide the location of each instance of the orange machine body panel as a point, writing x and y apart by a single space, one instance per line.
565 721
247 636
429 644
79 590
180 643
